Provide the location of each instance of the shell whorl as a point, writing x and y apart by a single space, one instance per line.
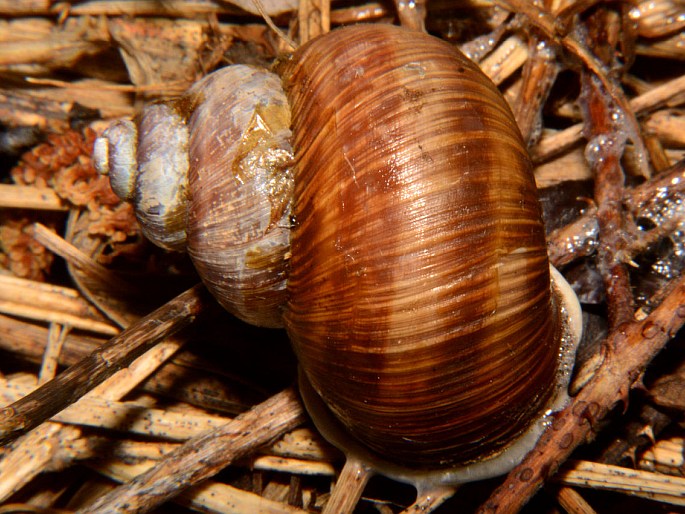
161 178
240 190
210 173
419 294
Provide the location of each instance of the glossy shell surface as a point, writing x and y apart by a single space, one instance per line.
240 188
419 292
162 176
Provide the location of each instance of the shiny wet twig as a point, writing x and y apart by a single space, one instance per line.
628 351
578 239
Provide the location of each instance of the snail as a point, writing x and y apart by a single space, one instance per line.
396 236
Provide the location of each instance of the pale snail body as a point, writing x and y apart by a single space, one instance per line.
419 300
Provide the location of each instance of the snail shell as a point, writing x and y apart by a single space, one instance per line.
152 175
240 187
210 173
420 305
433 338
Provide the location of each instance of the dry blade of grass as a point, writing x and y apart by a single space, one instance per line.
667 456
205 455
49 445
653 486
45 302
30 197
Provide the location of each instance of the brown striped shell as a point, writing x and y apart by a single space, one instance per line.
419 301
419 305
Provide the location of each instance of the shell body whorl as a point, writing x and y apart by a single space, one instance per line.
419 292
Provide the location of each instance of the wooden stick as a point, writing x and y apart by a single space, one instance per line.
168 8
579 238
666 456
204 456
539 73
208 496
114 355
45 302
77 258
30 197
186 378
299 452
292 466
605 477
508 57
53 316
561 141
609 193
56 337
628 351
349 487
572 502
55 445
33 453
124 416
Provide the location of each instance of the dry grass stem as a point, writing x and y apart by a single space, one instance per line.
204 456
559 142
29 197
348 488
654 486
57 334
293 466
72 384
123 417
570 165
412 14
572 502
666 456
508 57
303 443
165 89
57 441
45 302
76 258
314 18
207 497
40 450
185 378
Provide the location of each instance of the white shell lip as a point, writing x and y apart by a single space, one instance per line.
496 465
